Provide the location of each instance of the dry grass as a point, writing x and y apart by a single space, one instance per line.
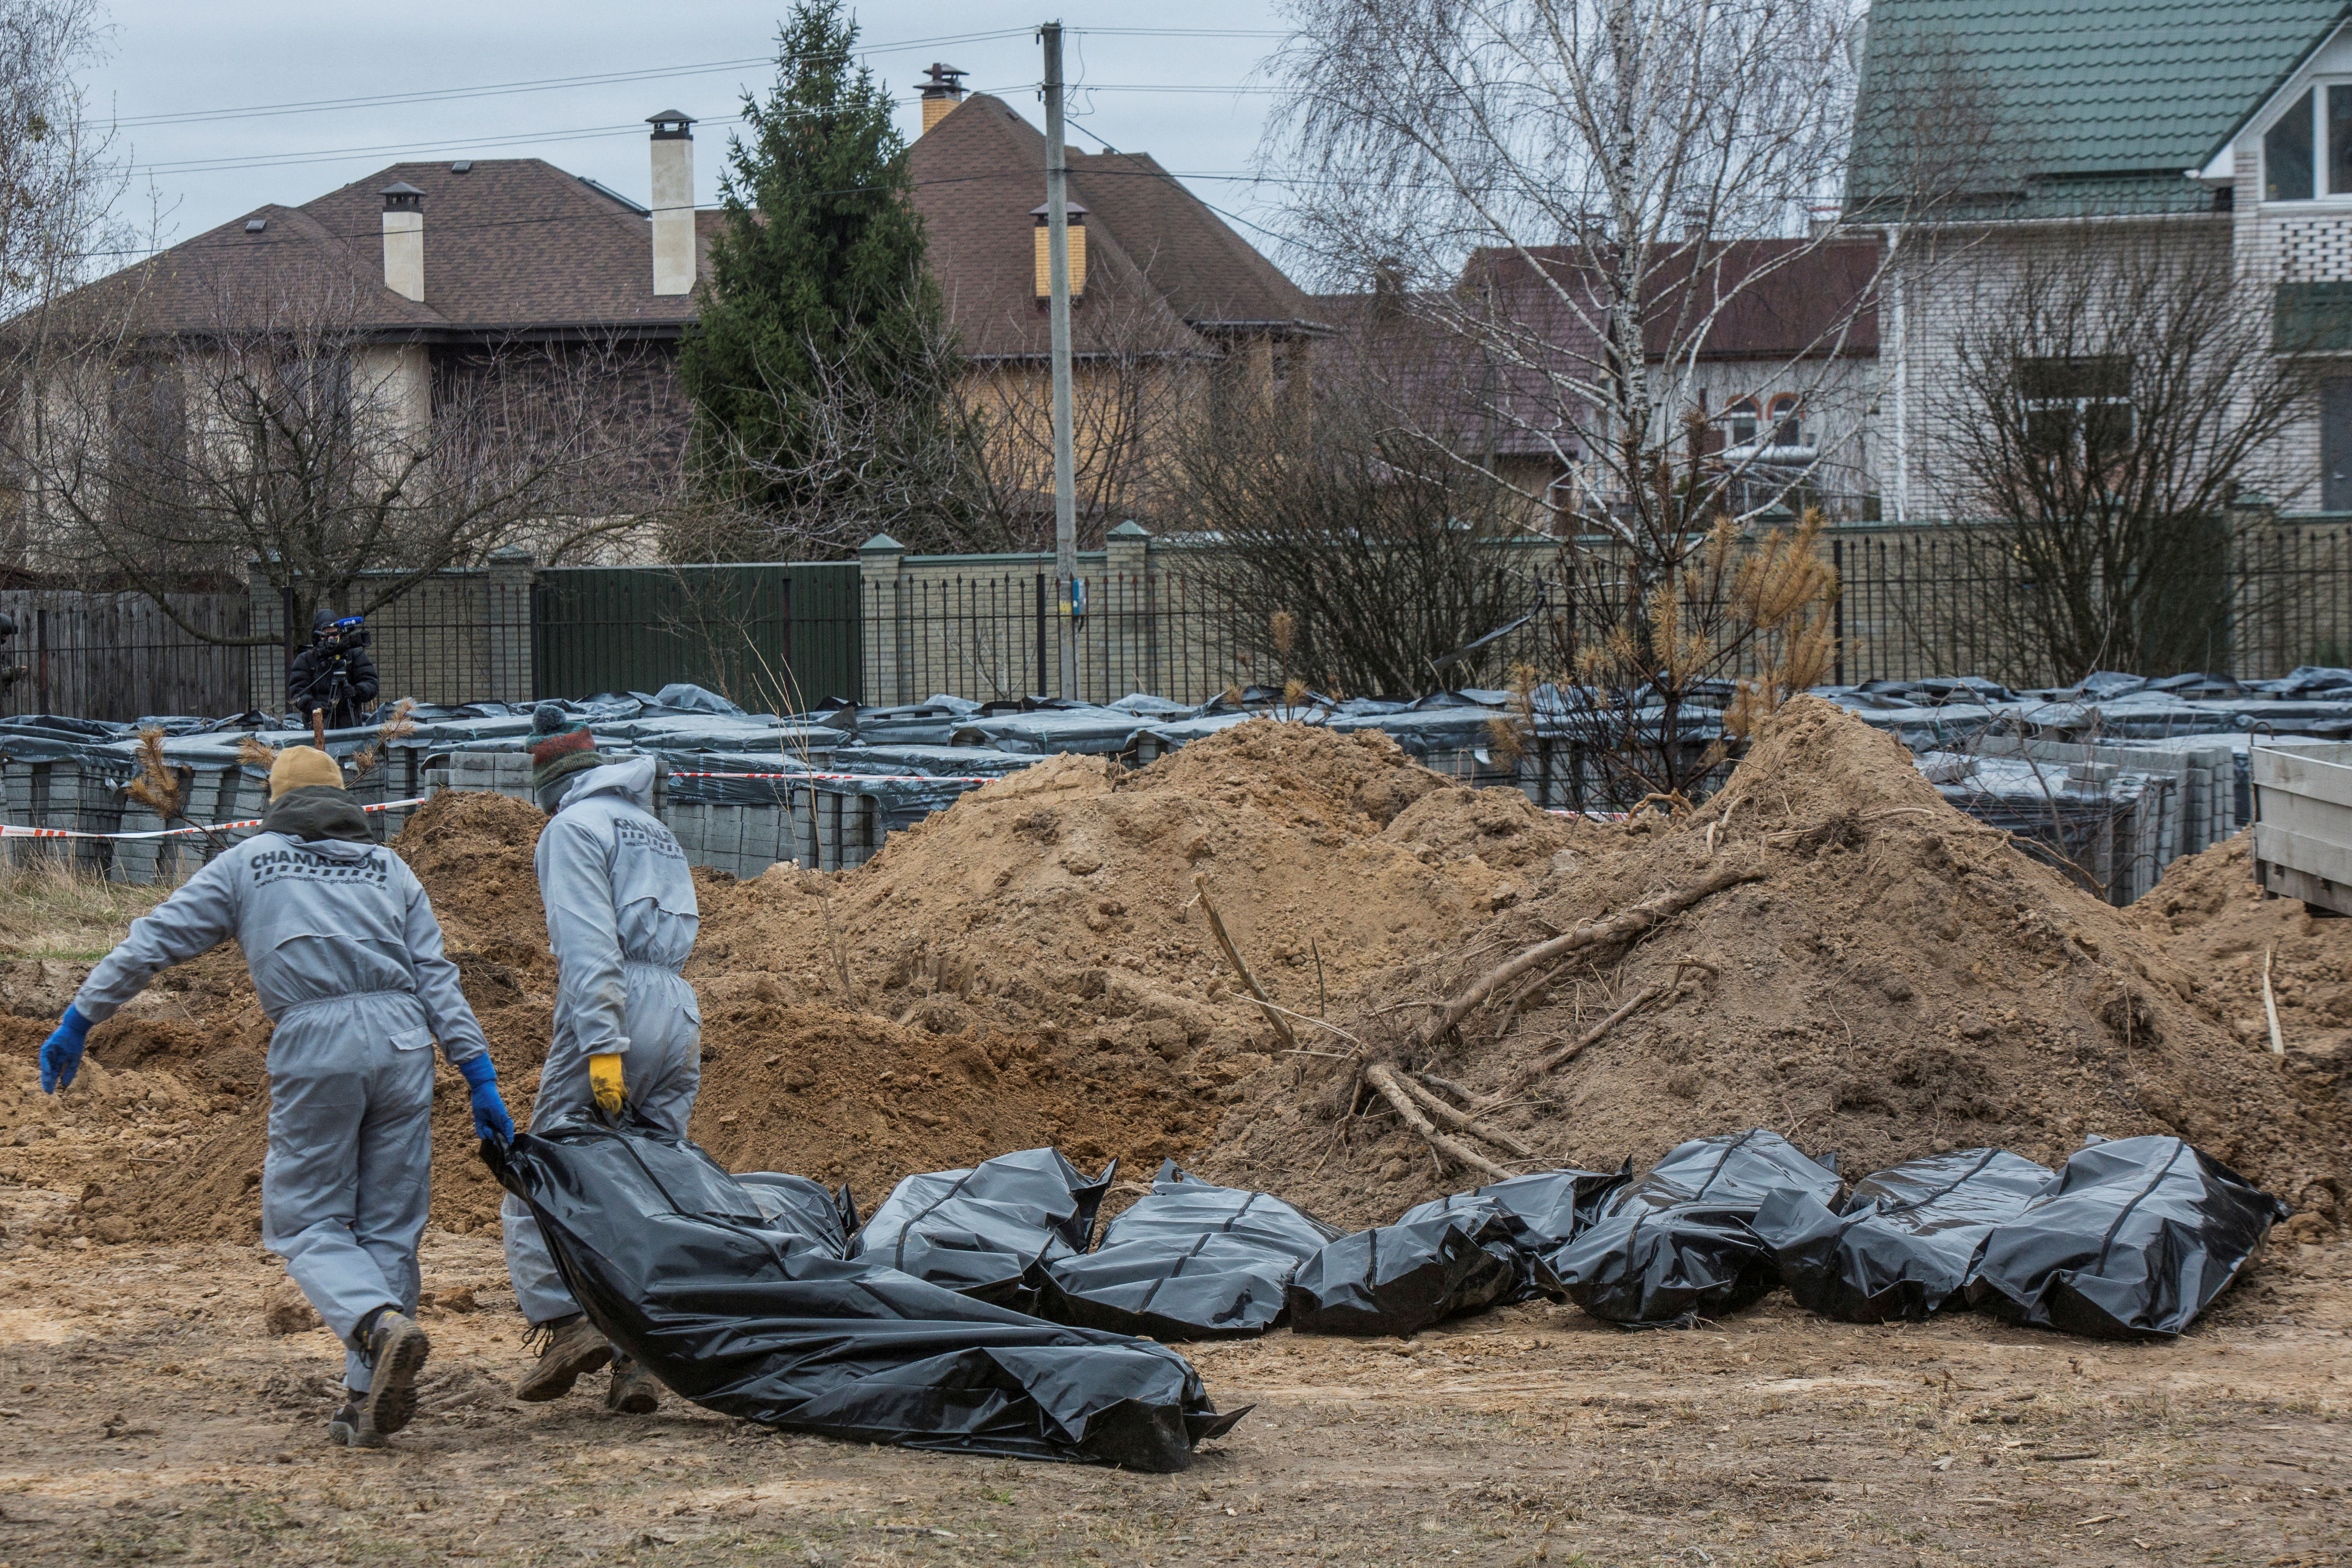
51 909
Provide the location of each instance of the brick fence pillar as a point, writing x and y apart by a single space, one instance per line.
1125 602
506 587
881 581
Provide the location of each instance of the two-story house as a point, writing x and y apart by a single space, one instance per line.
1990 133
431 271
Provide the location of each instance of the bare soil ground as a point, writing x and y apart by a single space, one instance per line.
1026 968
147 1414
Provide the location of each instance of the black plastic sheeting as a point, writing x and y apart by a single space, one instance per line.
1908 1239
989 1231
2133 1239
1544 1212
1676 1246
746 1314
1190 1261
1399 1278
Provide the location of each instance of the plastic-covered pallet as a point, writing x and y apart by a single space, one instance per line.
1400 1278
2133 1240
1908 1239
986 1231
1676 1246
1191 1261
746 1314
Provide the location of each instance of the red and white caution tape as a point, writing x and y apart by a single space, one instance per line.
10 830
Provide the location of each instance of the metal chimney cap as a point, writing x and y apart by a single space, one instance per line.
1075 208
671 125
944 80
401 196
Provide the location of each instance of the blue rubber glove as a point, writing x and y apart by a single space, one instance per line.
61 1052
490 1118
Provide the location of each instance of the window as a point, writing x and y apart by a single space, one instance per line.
1787 428
2307 152
1739 422
2076 410
2286 155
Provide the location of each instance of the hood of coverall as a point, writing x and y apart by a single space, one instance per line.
316 812
631 777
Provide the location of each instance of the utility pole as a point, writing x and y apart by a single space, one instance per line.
1066 465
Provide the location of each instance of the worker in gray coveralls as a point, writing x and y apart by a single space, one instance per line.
346 961
621 921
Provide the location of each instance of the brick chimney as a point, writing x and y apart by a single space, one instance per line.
942 91
1045 250
673 202
403 240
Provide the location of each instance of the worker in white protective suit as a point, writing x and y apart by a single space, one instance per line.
346 961
621 921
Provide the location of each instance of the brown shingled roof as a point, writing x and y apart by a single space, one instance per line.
513 245
1162 269
518 245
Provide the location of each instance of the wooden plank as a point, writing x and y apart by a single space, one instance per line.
2289 883
2319 857
2307 816
2321 772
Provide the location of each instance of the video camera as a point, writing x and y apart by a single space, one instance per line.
345 636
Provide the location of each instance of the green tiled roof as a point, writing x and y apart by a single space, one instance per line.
2100 103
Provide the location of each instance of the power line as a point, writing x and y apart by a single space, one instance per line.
540 84
324 155
606 79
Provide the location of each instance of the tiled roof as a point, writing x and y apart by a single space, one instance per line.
513 245
2099 104
518 246
1162 269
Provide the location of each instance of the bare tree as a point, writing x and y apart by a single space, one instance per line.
953 455
1622 173
2109 395
290 439
60 187
1140 383
1351 553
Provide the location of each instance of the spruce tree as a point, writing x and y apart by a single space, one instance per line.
818 291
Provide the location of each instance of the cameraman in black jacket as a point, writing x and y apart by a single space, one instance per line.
335 672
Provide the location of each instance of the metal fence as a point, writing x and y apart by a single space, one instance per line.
1930 601
778 638
996 637
1914 601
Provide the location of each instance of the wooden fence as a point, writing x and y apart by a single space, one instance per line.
119 656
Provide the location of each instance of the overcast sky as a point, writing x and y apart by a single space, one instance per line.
182 72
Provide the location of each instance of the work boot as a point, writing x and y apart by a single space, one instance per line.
348 1428
396 1348
570 1348
634 1390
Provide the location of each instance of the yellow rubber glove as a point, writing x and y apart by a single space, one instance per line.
605 1082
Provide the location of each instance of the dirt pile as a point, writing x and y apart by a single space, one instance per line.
1020 969
1060 899
2213 922
1897 979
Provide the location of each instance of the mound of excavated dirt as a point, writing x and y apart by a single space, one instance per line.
2214 922
1060 900
1897 980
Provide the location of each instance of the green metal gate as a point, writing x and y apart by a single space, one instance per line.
777 638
